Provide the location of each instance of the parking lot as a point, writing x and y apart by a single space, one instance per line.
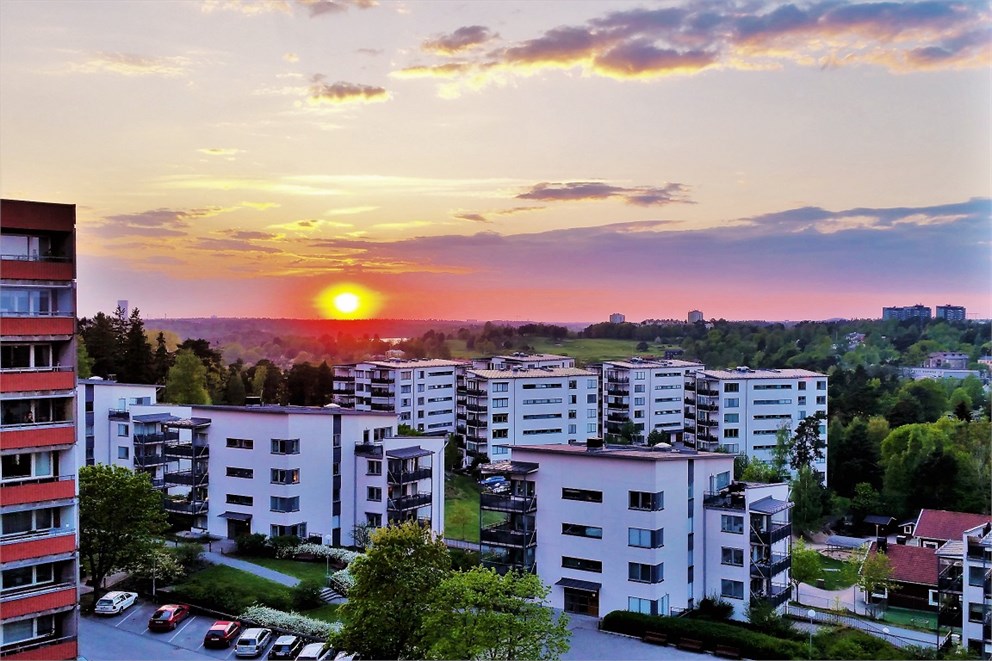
100 636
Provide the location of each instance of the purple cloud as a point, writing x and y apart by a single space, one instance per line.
462 39
598 190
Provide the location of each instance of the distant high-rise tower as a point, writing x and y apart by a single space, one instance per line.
38 491
951 312
617 318
903 313
694 316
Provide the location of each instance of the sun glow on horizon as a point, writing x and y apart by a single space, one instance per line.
346 300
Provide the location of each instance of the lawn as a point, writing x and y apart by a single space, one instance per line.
584 350
461 508
328 613
911 619
231 590
305 571
833 574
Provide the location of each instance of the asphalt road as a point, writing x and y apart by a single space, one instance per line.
126 637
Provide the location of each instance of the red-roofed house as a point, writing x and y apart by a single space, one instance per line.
934 527
914 576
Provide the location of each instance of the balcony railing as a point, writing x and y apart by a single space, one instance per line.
950 580
690 385
52 647
770 567
411 502
707 407
375 406
38 490
402 477
145 439
119 414
775 533
147 460
188 478
38 544
383 379
475 392
185 506
507 503
617 390
708 392
479 408
502 535
778 595
187 450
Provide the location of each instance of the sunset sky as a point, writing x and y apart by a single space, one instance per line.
508 160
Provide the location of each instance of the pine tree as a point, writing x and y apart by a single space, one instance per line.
138 361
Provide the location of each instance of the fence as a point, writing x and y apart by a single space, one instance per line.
903 638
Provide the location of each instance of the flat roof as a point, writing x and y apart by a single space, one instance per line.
96 381
769 505
530 373
408 453
530 357
634 364
287 410
761 374
414 362
637 453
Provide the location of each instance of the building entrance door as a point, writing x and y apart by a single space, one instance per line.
581 602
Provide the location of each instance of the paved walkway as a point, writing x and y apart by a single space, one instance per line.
588 643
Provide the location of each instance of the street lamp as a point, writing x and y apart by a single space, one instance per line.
811 614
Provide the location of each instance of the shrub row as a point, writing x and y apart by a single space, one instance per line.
321 551
342 581
300 624
752 645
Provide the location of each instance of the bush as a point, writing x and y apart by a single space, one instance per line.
300 624
752 644
306 595
343 557
277 544
189 556
713 608
853 644
463 560
342 581
254 544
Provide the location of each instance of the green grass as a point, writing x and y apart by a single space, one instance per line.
231 590
911 619
461 508
833 574
584 350
328 613
305 571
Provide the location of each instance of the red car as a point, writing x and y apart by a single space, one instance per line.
221 634
167 617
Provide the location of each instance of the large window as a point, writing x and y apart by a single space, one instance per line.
240 472
643 500
500 402
646 606
13 579
285 446
280 504
582 494
241 443
731 523
731 589
732 556
646 539
374 493
286 476
582 564
642 573
29 521
24 630
579 530
25 466
237 499
374 467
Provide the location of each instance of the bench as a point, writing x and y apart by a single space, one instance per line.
727 652
655 638
690 645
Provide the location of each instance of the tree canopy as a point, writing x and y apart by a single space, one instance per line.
186 383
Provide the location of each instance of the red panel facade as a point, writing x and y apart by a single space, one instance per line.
27 215
37 437
15 269
29 381
36 493
38 548
20 326
39 603
57 652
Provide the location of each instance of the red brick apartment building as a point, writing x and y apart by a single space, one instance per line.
39 560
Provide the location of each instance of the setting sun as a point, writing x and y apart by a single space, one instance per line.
347 300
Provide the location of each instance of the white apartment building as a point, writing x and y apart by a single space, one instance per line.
649 393
650 530
305 471
740 411
522 360
964 584
499 409
101 408
420 392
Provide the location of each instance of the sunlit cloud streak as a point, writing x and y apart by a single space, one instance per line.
462 39
340 92
132 64
155 222
598 190
312 8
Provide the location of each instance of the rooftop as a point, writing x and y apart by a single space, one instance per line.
662 452
942 524
403 363
748 373
272 409
530 372
634 363
532 357
911 564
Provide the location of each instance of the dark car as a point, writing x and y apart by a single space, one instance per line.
286 647
167 617
221 634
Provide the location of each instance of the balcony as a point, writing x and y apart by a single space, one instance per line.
617 378
28 380
690 400
478 408
187 450
707 407
38 491
778 595
771 566
620 417
950 580
507 503
56 597
38 435
690 386
186 478
383 379
949 615
375 406
775 533
708 392
51 268
410 502
149 459
18 326
402 477
122 415
185 506
618 391
501 534
60 647
474 392
148 439
39 544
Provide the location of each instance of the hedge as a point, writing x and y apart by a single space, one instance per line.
752 645
307 626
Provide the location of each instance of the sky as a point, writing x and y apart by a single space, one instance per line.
554 161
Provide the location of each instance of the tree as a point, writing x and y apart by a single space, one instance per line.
807 446
875 574
138 363
807 565
452 453
960 402
84 364
120 512
657 436
781 452
235 393
386 605
479 614
807 494
162 360
186 383
101 344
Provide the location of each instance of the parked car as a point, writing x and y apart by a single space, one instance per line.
316 652
168 617
253 642
113 603
492 481
286 647
345 656
222 633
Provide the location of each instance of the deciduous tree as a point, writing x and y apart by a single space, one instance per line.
186 383
807 446
807 565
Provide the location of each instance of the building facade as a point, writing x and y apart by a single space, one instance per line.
965 588
951 312
648 393
741 411
905 313
617 318
501 408
522 360
420 392
98 403
39 515
695 316
650 530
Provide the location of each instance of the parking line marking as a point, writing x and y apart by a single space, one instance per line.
180 630
135 612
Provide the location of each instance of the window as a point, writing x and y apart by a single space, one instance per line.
279 504
731 433
241 443
802 385
976 611
374 493
821 385
640 375
536 432
286 476
591 398
641 573
731 523
801 401
573 384
237 499
23 630
731 387
591 428
285 446
374 468
821 399
501 403
534 386
240 472
732 589
638 401
591 383
582 494
406 375
976 576
639 387
373 519
571 429
13 579
122 429
646 606
591 413
582 564
643 500
646 539
731 402
638 413
29 521
579 530
731 417
123 452
732 556
501 433
501 418
501 386
554 400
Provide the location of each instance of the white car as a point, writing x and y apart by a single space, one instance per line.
316 652
252 642
113 603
